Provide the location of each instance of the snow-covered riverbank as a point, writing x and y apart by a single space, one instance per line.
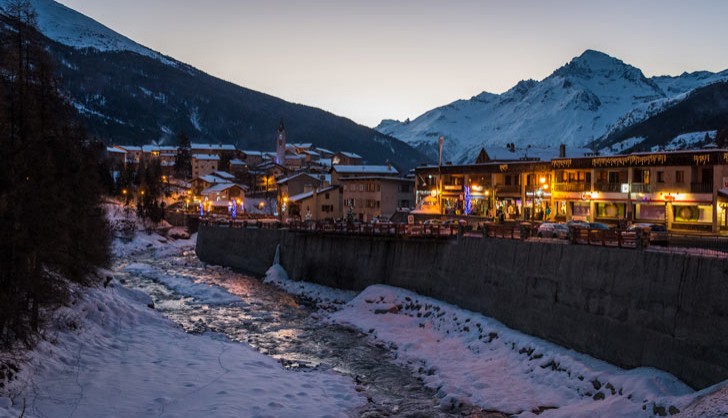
469 358
109 354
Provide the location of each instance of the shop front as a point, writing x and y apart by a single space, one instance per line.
692 216
510 207
651 212
610 212
581 211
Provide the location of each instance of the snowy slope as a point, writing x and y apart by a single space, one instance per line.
68 27
581 101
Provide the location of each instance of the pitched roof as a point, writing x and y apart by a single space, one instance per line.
306 195
207 157
129 147
213 147
223 175
349 154
209 178
221 187
384 178
294 176
251 153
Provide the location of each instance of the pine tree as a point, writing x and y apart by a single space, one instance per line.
183 160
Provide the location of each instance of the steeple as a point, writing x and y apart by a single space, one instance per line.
281 144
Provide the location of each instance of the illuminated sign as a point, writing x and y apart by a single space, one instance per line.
625 188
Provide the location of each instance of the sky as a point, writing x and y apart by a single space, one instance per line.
370 60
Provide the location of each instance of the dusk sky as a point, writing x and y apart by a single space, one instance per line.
375 59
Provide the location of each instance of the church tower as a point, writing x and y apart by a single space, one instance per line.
281 145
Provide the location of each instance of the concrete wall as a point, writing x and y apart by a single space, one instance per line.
628 307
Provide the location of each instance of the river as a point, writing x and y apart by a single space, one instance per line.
291 330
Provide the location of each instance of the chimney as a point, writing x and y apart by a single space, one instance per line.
562 151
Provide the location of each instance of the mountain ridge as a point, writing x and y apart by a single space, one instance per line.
125 95
589 97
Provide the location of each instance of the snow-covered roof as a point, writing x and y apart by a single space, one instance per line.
221 187
237 161
306 195
223 175
365 169
115 150
129 147
209 157
294 176
312 153
385 178
209 178
252 153
213 147
158 148
349 154
324 161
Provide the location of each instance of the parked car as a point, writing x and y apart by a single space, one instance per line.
658 233
599 226
577 224
455 222
553 230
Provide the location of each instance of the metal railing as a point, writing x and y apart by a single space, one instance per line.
701 187
607 187
618 238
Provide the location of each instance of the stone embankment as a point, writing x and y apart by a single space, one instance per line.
631 308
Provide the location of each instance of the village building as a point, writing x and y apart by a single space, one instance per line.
133 153
203 164
369 197
318 204
346 158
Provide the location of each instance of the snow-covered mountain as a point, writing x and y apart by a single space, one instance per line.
126 93
584 100
68 27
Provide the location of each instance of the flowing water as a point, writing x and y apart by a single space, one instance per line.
290 330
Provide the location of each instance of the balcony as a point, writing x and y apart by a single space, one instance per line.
572 187
508 188
608 187
701 187
641 188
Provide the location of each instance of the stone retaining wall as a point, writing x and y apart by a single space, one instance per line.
631 308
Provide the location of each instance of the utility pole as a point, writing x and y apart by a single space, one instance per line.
440 141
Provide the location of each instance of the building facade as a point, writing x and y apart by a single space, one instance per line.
684 190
